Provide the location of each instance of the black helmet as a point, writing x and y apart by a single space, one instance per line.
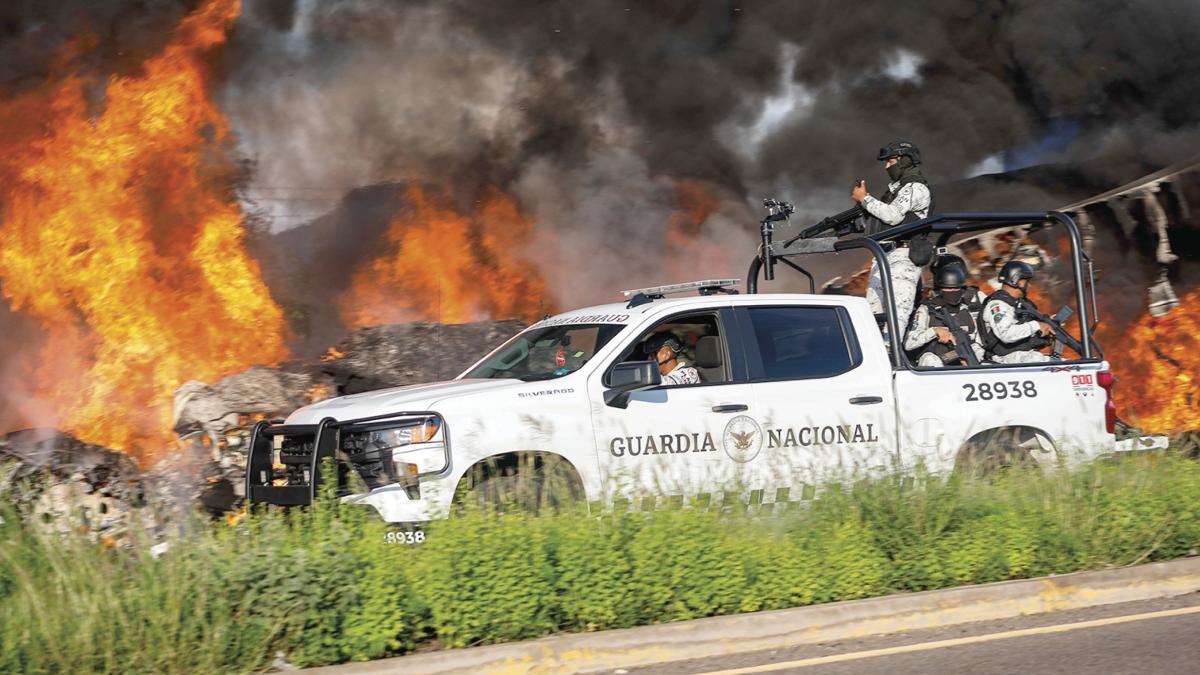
660 339
948 259
950 276
900 149
1013 272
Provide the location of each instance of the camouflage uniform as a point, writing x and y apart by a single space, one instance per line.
1002 320
905 199
682 373
920 333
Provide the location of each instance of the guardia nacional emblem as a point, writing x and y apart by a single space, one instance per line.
742 439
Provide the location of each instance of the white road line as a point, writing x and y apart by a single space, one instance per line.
942 644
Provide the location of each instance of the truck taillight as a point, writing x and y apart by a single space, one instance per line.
1106 380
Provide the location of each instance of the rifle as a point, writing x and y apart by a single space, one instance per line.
1061 336
840 224
962 341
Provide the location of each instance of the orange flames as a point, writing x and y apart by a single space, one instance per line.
690 253
1157 367
119 233
443 265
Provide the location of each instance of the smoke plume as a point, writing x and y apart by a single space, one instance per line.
591 113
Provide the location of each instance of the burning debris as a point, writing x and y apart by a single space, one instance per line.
397 355
51 475
213 421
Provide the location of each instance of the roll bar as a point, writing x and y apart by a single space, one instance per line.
945 225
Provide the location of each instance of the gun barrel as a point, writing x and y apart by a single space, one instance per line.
834 222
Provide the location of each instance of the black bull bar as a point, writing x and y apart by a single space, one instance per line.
297 480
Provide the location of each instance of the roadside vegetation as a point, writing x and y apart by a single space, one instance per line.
321 586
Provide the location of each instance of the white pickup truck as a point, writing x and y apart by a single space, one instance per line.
794 389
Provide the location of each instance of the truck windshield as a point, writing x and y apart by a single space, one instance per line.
546 353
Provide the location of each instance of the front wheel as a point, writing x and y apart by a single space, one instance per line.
531 484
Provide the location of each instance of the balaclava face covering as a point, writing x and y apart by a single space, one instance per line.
902 166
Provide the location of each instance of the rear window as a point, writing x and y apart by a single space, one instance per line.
801 342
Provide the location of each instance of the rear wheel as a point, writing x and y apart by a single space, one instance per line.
997 450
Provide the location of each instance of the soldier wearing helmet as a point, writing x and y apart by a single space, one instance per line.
1007 335
907 199
973 298
664 349
932 334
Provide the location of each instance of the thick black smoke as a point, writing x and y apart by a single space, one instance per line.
111 37
590 112
594 113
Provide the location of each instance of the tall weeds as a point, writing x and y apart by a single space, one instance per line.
321 586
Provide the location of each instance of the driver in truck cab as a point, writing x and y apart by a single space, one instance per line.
664 349
1009 336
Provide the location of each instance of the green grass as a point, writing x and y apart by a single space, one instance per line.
320 586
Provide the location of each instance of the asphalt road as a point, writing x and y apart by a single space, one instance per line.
1159 636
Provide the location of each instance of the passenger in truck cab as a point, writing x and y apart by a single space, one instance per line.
664 348
1008 335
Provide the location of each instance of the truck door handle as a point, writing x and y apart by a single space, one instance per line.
730 407
866 400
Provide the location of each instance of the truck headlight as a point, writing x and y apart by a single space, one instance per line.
396 454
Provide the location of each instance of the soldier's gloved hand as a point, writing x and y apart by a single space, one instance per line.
944 335
859 192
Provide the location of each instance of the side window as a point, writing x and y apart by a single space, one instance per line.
703 345
802 342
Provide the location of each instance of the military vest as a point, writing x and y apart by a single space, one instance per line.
873 225
991 343
962 317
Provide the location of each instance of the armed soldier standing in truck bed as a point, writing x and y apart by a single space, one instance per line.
1010 336
907 199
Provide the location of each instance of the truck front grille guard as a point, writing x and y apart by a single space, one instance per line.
261 474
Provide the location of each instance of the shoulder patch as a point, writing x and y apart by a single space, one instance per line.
995 317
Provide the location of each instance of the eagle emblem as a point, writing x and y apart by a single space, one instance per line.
742 439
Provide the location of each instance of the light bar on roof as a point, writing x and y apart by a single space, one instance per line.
690 286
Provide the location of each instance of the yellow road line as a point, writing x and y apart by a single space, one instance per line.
942 644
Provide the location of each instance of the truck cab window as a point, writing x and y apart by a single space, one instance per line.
703 345
545 353
801 342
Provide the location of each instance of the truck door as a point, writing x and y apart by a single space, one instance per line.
824 401
669 440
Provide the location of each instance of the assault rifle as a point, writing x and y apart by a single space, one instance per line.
962 341
840 224
1061 336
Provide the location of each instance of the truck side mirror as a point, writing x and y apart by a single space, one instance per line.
626 378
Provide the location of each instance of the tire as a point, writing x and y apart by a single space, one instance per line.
996 451
532 485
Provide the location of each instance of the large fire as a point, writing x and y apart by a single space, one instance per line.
120 234
440 264
1156 368
689 251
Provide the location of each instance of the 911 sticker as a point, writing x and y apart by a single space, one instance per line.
1084 384
989 391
